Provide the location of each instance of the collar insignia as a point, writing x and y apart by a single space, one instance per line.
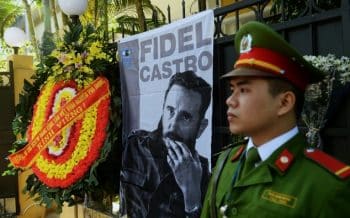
284 160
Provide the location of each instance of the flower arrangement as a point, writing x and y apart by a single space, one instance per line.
81 59
77 107
318 96
73 64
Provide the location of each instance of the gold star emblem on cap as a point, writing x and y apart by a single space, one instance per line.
246 43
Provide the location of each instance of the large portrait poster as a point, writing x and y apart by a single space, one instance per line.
166 77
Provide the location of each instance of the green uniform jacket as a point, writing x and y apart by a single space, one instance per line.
292 182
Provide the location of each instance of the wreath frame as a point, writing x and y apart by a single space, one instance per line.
77 39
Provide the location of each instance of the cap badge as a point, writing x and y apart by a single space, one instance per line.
246 43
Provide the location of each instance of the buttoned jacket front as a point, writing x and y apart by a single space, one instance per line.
287 184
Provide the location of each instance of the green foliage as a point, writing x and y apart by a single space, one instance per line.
9 10
73 34
47 44
129 25
127 19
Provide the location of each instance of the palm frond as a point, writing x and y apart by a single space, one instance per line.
8 14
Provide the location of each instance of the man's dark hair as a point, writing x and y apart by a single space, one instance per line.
190 80
279 85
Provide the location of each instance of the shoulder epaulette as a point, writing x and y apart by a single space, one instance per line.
241 142
333 165
238 153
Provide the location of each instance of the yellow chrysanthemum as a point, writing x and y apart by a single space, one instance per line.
41 108
60 171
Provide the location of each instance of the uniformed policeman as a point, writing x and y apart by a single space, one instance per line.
276 173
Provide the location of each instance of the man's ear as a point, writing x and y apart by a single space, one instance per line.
287 103
202 126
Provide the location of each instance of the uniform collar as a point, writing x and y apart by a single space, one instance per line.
265 150
279 161
284 156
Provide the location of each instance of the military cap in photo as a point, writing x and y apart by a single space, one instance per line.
263 52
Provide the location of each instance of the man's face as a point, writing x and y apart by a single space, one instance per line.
252 110
181 118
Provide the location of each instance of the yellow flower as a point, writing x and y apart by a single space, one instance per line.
72 64
78 61
41 108
86 70
95 49
69 59
60 171
55 54
56 69
59 44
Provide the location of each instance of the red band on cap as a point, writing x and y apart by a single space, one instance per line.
275 63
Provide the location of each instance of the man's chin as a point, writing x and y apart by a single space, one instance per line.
235 130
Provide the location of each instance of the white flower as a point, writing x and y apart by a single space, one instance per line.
331 64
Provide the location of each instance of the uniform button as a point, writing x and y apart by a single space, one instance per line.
234 211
